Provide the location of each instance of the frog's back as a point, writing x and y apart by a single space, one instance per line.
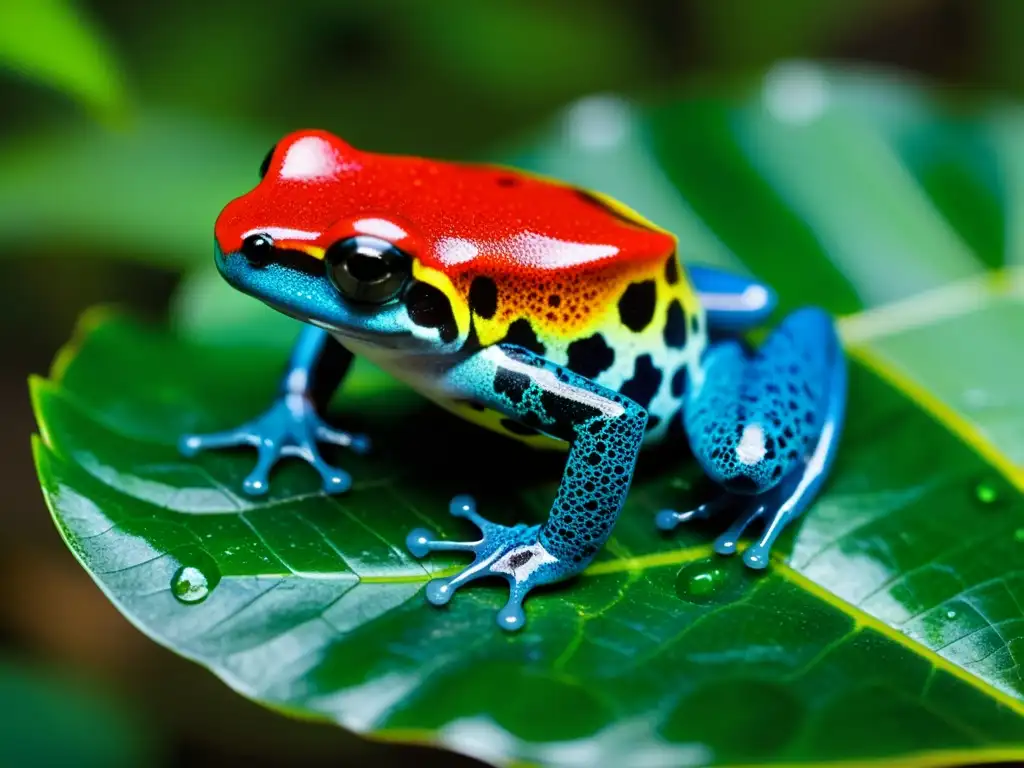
578 278
569 274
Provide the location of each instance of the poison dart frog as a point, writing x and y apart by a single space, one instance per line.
554 315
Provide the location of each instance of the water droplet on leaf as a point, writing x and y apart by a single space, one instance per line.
710 581
1019 534
986 492
190 585
950 614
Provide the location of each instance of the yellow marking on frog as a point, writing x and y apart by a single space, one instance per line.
490 419
441 281
314 251
622 210
587 302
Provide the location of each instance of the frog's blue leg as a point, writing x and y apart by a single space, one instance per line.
292 426
733 303
765 425
604 430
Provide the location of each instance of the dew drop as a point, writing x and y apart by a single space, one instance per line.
705 582
950 614
710 581
986 492
190 585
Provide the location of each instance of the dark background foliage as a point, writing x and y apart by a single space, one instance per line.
450 78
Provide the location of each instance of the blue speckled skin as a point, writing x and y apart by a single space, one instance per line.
733 303
764 424
604 430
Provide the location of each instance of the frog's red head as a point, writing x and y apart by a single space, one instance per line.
422 233
319 238
297 199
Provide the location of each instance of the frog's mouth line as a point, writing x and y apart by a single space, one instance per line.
315 302
385 341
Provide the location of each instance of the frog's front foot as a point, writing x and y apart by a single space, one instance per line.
516 554
291 427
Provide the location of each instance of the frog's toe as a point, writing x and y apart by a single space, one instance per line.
420 542
290 427
334 480
465 506
257 483
190 445
669 519
756 509
757 555
356 443
512 616
440 591
727 542
513 553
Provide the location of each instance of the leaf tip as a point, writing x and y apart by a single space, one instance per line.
88 322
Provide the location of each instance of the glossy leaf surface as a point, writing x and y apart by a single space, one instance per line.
890 628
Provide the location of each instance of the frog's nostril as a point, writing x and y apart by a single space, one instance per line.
258 249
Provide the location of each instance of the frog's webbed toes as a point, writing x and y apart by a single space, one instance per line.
513 553
670 519
291 427
191 444
752 509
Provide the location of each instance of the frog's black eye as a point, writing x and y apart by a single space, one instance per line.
367 269
265 165
258 249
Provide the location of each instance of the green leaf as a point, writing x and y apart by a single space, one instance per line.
570 45
741 35
890 627
150 190
53 42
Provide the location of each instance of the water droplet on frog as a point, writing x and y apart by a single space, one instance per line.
190 585
710 581
950 614
986 492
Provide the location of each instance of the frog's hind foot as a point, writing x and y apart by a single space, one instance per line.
513 553
291 427
670 519
752 509
765 426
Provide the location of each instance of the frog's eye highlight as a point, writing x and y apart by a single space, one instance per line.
367 269
258 249
265 165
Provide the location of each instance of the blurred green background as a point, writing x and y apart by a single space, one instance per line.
125 125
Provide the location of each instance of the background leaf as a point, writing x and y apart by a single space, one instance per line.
53 42
891 626
150 204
